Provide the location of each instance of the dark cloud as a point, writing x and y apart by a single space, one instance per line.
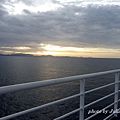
3 11
27 11
71 25
3 1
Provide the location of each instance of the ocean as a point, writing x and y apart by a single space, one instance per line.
16 70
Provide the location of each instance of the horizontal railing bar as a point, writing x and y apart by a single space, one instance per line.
33 85
101 109
109 116
112 113
99 100
118 100
67 114
100 87
118 90
38 107
99 113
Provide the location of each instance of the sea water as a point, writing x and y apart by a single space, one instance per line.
16 70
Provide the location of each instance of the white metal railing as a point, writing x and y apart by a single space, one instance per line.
32 85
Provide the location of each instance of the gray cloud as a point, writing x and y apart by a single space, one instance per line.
71 25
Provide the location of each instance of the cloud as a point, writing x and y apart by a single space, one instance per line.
71 25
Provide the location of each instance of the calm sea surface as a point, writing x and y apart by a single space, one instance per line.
15 70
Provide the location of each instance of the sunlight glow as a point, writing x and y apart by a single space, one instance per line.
49 47
17 8
55 50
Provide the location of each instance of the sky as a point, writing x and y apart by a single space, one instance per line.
80 28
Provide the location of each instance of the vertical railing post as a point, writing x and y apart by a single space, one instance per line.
116 93
82 90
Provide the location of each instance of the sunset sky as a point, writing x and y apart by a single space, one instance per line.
81 28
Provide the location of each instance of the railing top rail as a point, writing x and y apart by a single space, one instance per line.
32 85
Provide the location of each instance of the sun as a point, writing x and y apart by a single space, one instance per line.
51 50
50 47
